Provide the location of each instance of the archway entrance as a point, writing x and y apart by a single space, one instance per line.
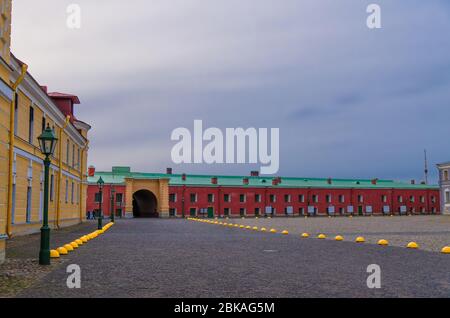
145 204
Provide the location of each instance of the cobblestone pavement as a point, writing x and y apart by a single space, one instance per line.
179 258
430 232
22 269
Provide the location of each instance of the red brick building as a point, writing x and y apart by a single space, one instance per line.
155 194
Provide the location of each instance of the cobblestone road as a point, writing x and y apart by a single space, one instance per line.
178 258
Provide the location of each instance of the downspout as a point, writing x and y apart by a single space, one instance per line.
58 193
80 201
11 148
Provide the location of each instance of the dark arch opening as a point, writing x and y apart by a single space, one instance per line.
145 204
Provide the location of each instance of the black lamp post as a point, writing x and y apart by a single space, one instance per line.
47 143
100 184
113 193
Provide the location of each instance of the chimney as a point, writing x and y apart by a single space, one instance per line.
374 181
44 88
245 181
413 181
254 173
91 171
168 170
329 180
214 180
183 177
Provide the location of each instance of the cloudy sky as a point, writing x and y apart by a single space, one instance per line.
349 101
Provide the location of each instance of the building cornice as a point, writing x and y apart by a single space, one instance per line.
34 91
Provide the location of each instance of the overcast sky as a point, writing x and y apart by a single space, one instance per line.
349 101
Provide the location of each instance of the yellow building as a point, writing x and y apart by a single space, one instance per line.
25 109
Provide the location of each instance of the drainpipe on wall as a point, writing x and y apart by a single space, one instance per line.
11 148
80 201
58 193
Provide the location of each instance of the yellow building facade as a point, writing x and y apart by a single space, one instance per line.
26 108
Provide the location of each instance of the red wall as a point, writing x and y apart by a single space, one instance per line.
371 197
106 203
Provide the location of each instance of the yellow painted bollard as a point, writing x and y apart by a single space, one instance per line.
241 226
62 251
54 254
74 244
413 245
263 229
255 228
84 239
321 236
383 242
305 235
285 232
445 250
360 239
248 227
68 247
79 242
339 238
273 231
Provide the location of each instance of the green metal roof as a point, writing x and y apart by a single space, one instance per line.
118 175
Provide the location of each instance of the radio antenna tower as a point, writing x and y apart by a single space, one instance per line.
426 167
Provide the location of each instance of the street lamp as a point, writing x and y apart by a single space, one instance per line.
47 144
100 184
113 192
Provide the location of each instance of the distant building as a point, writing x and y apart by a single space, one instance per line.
444 183
176 195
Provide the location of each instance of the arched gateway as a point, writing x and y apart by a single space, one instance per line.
145 204
147 197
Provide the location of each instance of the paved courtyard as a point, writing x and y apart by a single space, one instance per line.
431 232
180 258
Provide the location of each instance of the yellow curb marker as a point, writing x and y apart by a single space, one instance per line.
62 251
413 245
339 238
360 239
54 254
383 242
321 236
68 247
445 250
285 232
305 235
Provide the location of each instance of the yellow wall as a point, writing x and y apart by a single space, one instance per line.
27 159
5 38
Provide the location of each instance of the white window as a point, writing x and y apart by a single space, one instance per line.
447 196
67 191
72 194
